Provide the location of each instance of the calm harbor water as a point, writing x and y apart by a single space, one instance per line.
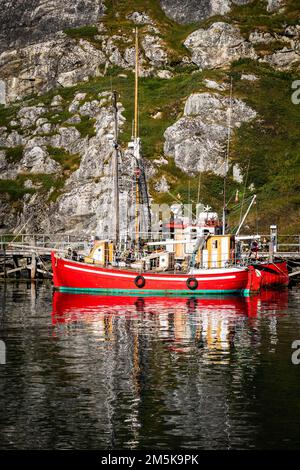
89 372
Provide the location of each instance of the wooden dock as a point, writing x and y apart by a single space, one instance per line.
28 256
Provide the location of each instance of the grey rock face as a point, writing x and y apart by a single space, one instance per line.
214 85
25 22
68 138
161 185
284 59
218 46
289 55
197 140
42 66
249 76
140 18
63 61
7 170
191 11
36 160
29 115
86 203
259 37
154 51
274 5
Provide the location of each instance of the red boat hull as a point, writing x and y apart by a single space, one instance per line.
71 275
273 274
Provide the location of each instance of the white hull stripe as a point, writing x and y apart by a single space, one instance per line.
150 278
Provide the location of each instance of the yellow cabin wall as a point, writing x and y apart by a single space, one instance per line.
217 257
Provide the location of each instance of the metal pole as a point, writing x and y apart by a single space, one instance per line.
227 159
4 260
136 88
136 140
116 172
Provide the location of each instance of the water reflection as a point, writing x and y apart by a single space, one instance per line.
124 372
211 324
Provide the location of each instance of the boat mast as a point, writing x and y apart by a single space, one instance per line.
227 159
116 171
136 88
137 140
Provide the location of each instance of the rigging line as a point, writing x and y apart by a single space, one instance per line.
189 198
244 193
236 207
199 188
256 216
22 228
111 83
43 264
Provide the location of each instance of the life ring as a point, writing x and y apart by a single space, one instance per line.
140 282
192 283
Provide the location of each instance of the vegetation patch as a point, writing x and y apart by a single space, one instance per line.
254 16
68 161
269 48
7 114
86 127
116 21
268 149
84 32
14 154
13 189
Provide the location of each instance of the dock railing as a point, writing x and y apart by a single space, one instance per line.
8 241
60 242
288 243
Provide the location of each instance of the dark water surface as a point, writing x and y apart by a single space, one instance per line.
91 372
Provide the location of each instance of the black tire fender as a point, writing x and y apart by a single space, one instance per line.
140 281
192 283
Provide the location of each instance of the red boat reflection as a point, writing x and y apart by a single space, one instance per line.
78 307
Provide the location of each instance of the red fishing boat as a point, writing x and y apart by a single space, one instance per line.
69 275
195 261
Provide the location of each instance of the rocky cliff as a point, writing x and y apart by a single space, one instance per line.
59 62
25 22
